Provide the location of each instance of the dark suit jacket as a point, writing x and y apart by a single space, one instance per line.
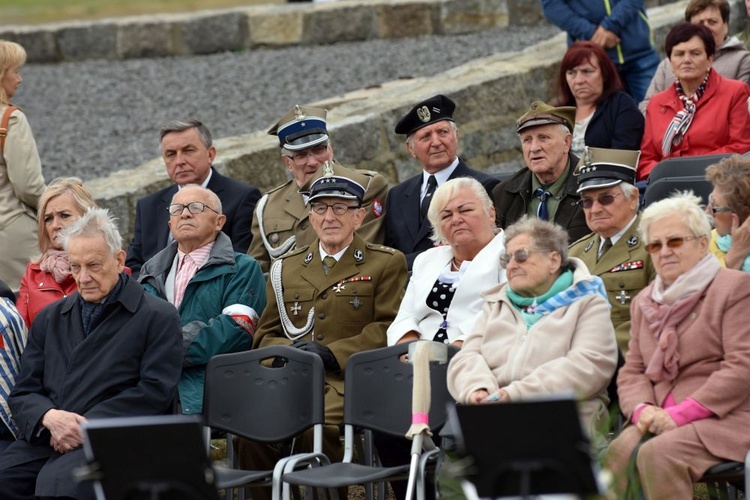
404 228
151 233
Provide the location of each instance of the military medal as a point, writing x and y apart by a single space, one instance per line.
622 297
296 308
356 303
627 266
338 287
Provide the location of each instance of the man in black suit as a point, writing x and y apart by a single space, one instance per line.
432 138
188 153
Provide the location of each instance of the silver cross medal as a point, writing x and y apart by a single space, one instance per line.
622 297
296 308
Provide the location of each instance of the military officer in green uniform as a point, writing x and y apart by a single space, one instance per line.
613 251
335 297
280 223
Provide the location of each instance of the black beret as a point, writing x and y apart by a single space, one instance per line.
434 109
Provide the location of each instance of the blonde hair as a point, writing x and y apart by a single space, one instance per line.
57 187
12 56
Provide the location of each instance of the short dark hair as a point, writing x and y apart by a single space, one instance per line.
682 32
695 7
577 54
182 125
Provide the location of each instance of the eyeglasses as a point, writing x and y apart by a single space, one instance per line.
675 242
716 210
300 159
194 207
603 200
520 256
321 208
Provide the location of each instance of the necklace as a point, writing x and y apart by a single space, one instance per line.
455 265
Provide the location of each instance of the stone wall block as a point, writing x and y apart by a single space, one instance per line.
467 16
216 33
91 41
40 46
145 40
406 20
525 13
342 24
356 141
278 28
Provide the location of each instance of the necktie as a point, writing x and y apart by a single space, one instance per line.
328 263
607 245
542 212
431 185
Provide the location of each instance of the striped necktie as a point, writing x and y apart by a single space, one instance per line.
542 212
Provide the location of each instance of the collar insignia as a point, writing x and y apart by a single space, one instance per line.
358 255
308 258
632 241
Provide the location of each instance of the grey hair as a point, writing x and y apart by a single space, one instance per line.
213 200
95 222
182 125
410 137
628 189
545 235
443 195
686 205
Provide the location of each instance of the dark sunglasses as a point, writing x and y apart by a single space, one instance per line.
676 242
604 200
520 256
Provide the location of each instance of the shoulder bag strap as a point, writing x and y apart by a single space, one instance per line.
4 125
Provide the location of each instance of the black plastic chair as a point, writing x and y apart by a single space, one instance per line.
686 173
727 478
246 396
378 397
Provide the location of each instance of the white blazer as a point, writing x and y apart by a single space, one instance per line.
414 314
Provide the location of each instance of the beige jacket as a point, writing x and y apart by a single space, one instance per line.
573 349
21 181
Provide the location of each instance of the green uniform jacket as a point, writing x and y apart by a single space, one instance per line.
626 269
353 306
284 215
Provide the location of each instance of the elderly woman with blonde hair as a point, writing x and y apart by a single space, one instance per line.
21 181
683 387
48 277
547 330
442 300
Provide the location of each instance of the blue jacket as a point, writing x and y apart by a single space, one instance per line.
226 278
626 18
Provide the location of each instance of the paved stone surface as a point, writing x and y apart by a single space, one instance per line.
91 118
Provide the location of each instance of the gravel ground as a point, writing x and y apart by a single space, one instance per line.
94 117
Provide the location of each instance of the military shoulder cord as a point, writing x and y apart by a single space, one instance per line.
275 253
290 330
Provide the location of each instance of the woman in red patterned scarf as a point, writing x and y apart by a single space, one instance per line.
702 112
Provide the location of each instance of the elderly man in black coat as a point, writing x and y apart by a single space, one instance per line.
108 350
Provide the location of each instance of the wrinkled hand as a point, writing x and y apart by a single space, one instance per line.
329 360
740 243
655 420
605 38
65 428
